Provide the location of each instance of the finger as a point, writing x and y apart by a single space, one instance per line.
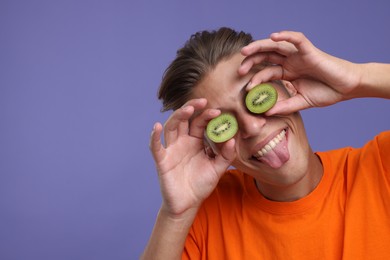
269 73
155 144
225 158
269 45
298 39
199 123
289 106
177 124
265 58
197 103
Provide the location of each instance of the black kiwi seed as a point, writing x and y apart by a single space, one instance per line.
261 98
222 128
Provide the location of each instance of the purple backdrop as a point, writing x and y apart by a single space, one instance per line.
78 82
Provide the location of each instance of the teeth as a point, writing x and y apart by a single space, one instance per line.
271 144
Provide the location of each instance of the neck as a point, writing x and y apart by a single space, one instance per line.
297 189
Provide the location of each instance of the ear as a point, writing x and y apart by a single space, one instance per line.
290 88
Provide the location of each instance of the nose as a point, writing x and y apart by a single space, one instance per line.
250 124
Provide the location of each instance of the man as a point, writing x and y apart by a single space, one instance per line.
287 202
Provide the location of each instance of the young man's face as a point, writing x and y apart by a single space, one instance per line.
287 162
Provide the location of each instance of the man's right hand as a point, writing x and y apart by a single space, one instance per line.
186 173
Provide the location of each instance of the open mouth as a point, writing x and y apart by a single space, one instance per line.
271 144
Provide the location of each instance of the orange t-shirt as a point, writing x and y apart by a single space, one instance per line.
347 216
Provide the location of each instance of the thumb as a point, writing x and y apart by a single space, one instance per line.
226 157
289 106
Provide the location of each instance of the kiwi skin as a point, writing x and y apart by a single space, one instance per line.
222 128
265 95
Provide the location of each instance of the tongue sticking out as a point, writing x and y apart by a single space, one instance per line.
276 157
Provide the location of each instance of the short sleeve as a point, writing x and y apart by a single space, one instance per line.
383 144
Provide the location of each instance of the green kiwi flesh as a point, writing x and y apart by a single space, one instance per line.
261 98
222 128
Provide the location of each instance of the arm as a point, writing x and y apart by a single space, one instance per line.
187 176
319 79
169 235
374 81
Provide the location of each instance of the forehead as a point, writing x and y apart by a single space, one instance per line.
224 77
226 70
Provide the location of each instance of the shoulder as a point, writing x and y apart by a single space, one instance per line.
376 153
382 143
372 159
230 185
379 146
228 194
222 204
219 209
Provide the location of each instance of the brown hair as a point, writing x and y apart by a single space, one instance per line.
200 54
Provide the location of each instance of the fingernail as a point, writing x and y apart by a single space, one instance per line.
249 85
275 34
215 112
186 108
154 127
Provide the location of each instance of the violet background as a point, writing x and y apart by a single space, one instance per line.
78 82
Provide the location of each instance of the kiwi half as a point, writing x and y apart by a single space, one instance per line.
222 128
261 98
